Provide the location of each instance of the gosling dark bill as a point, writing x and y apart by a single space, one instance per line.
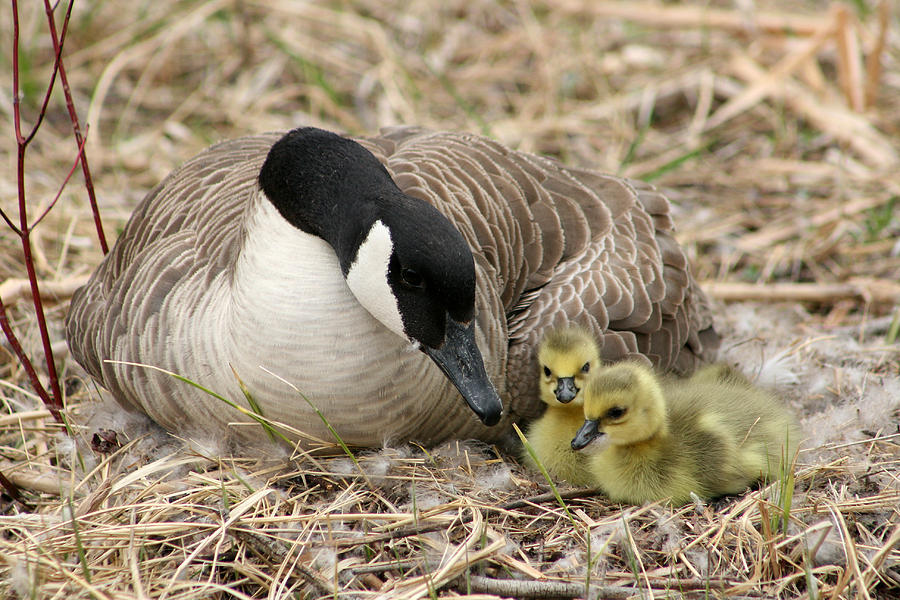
587 434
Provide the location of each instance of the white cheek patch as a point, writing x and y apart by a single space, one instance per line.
368 278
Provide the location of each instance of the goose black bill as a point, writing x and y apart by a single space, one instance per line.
460 360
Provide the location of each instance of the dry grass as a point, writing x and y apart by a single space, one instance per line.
773 130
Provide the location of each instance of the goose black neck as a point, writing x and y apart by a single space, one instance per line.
328 186
333 188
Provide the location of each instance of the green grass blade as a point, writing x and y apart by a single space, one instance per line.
82 557
461 102
544 472
635 144
72 435
331 429
786 493
256 417
254 405
894 329
674 163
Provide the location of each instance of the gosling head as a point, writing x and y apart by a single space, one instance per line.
567 357
623 405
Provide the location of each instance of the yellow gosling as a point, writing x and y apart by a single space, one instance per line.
566 358
648 438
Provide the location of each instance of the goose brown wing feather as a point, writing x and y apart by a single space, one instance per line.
563 245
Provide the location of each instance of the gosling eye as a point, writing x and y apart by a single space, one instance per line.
412 278
547 371
586 367
616 412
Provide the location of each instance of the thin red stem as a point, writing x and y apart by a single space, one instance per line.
11 488
62 187
73 115
43 112
17 120
26 363
9 223
54 401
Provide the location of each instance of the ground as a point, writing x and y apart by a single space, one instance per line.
771 126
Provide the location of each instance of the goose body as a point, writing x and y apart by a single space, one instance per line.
382 277
648 438
566 357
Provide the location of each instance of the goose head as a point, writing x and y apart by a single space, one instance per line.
623 405
405 263
566 357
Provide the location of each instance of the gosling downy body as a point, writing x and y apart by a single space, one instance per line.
382 277
566 357
649 438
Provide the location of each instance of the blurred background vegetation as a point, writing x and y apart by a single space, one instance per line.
633 88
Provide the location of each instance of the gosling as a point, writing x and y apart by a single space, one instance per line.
566 358
648 438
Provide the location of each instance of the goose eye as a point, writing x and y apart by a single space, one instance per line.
586 367
412 278
616 412
547 371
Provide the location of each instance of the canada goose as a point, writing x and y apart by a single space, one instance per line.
361 270
713 434
566 357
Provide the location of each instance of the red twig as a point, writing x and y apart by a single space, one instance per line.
63 186
43 111
54 399
9 223
26 363
73 115
11 488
